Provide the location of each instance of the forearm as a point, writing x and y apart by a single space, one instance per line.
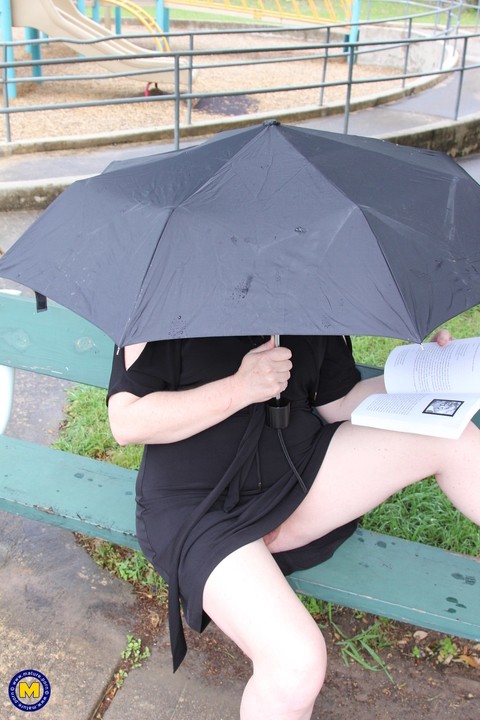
170 416
341 409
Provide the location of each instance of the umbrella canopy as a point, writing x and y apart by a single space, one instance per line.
268 230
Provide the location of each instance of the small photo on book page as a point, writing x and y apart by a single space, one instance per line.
443 407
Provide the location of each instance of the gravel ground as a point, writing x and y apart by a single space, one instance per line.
63 122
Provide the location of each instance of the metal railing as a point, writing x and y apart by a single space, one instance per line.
412 55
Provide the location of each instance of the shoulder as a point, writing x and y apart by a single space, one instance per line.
132 353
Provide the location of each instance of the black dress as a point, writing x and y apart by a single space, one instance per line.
201 498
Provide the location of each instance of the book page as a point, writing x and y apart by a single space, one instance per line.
444 415
431 368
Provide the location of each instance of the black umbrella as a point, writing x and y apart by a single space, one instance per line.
268 230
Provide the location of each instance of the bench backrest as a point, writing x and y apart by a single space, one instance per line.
30 341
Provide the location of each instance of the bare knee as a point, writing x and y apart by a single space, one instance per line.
296 674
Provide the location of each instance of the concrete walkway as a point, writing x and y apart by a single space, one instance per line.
61 614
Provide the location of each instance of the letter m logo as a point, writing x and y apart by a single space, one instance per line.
26 690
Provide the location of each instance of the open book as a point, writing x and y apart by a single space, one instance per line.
431 390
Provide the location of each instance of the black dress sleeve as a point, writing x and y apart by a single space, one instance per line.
338 374
157 368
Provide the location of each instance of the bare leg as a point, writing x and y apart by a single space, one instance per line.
363 467
250 600
248 597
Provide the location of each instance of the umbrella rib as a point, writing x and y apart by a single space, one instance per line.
137 302
399 290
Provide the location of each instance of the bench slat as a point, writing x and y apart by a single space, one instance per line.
402 580
56 342
67 490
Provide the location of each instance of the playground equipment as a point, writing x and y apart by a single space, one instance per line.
66 19
308 11
144 18
62 19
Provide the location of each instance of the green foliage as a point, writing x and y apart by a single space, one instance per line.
132 657
134 652
444 651
86 430
373 10
375 350
315 607
447 650
129 565
364 646
422 513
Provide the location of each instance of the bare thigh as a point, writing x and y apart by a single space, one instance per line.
363 467
249 599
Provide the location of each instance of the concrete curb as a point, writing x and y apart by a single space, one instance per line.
32 194
457 138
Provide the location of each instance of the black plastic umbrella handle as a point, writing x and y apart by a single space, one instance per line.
278 408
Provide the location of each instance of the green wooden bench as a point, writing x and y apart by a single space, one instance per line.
379 574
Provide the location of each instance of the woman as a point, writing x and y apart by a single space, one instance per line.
227 505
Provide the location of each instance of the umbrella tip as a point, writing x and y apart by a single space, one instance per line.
270 122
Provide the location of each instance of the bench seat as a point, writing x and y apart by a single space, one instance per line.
402 580
378 574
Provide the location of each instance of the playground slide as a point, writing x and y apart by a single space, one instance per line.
60 18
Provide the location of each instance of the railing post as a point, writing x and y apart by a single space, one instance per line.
407 52
176 124
190 79
460 80
325 64
7 382
346 115
8 129
445 41
162 15
96 11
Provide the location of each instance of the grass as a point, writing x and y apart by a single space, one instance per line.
86 430
375 350
364 640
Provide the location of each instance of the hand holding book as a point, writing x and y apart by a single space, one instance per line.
431 390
